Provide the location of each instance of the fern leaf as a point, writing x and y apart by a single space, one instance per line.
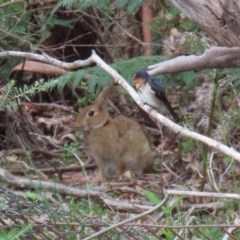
97 78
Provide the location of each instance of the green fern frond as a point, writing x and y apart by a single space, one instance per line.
63 81
98 78
6 96
128 67
51 84
67 3
11 96
230 76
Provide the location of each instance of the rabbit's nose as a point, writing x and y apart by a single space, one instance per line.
76 125
82 127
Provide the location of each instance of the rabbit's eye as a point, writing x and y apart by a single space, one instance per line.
91 113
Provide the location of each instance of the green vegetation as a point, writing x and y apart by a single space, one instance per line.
16 233
11 95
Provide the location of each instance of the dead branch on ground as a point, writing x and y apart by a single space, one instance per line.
20 182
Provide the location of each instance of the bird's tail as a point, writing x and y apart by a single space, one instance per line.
170 109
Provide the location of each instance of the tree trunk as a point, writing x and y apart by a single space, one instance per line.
147 16
219 18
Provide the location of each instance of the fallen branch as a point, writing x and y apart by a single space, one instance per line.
20 182
71 168
97 192
215 57
173 192
125 205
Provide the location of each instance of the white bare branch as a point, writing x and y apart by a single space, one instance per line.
21 182
173 192
215 57
47 59
184 132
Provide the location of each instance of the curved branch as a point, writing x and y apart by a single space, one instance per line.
163 120
20 182
47 59
215 57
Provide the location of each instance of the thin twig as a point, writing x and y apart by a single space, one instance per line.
201 194
129 220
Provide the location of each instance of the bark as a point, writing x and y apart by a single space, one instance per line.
219 18
147 15
215 57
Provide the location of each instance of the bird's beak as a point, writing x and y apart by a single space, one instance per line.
137 81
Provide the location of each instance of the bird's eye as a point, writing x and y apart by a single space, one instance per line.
91 113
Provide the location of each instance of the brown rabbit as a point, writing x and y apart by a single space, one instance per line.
117 144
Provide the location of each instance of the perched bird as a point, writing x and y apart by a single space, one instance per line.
152 92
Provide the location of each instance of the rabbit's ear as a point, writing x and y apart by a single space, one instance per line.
104 95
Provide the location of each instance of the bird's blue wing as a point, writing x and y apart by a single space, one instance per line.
158 88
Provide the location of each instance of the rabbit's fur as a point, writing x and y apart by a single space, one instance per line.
117 144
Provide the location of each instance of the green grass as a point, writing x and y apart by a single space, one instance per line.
15 233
